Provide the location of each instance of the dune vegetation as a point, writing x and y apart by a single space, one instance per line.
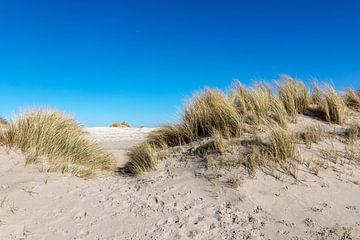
123 124
57 142
352 99
268 109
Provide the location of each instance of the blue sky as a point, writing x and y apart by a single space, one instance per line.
137 61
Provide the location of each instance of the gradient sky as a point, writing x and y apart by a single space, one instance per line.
137 61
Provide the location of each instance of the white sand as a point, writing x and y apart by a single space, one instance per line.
176 201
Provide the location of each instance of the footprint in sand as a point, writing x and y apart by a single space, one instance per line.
80 216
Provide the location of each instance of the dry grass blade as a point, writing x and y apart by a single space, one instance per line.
60 139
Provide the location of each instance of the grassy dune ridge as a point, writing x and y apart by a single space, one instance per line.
58 138
249 109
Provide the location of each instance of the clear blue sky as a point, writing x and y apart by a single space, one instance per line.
138 60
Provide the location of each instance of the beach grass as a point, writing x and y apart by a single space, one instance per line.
215 115
331 105
259 105
294 95
312 134
352 99
123 124
58 138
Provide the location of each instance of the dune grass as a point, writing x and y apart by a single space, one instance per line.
210 110
330 104
352 133
278 149
143 157
282 144
215 115
146 156
312 134
352 99
51 134
259 105
294 95
170 136
122 124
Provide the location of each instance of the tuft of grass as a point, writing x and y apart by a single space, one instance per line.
294 95
216 144
209 110
279 149
259 105
142 157
51 134
282 144
312 134
170 136
146 156
256 157
352 99
122 124
235 180
352 133
330 104
315 166
219 142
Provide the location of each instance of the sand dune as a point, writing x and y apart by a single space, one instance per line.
178 201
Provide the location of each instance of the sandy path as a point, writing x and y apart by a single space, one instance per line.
174 202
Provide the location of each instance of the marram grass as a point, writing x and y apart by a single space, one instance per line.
352 99
58 138
330 104
312 134
294 95
207 112
216 115
259 105
210 110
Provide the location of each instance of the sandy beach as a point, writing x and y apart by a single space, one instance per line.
177 201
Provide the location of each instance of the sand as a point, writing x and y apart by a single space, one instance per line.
177 201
